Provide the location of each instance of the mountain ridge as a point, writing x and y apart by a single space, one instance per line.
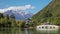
19 15
50 13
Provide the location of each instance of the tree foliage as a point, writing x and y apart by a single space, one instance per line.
50 13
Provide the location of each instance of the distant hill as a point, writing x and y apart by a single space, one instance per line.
51 13
19 15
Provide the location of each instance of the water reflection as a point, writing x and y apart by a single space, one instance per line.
5 31
16 31
47 32
26 31
29 31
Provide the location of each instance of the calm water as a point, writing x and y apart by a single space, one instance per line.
25 31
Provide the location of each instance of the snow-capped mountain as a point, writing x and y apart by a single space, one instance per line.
18 11
19 15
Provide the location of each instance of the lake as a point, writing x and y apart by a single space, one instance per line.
26 31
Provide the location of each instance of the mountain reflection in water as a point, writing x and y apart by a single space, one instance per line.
26 31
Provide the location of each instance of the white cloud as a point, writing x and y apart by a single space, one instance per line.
20 8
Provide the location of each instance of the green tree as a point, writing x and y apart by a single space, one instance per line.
1 15
12 20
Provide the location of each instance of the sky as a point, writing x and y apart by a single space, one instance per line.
33 6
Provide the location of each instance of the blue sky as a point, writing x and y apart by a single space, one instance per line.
38 4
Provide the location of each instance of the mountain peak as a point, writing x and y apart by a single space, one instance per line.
19 15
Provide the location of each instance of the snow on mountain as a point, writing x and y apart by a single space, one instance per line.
18 11
19 15
17 8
